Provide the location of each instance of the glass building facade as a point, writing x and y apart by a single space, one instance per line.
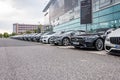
106 14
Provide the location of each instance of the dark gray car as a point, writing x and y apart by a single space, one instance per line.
64 38
91 40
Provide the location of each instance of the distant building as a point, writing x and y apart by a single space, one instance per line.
22 28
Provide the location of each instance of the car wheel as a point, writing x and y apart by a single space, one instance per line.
66 42
99 45
49 40
37 40
55 44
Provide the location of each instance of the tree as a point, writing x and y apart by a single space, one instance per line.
28 32
1 35
13 34
40 28
6 35
35 31
21 33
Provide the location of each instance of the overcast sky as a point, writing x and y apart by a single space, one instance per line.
20 11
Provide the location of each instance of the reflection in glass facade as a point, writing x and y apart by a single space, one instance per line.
106 13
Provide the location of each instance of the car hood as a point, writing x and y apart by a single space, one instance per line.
59 35
88 35
48 35
115 33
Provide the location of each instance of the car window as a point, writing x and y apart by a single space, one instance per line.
68 32
79 32
100 31
51 33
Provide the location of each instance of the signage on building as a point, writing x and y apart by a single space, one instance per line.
86 11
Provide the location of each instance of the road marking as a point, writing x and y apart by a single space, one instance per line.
93 52
99 52
65 47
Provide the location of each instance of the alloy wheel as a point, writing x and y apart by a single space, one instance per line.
99 44
66 42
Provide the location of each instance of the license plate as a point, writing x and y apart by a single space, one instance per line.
117 46
76 43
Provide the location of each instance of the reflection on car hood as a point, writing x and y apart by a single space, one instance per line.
59 35
89 35
115 33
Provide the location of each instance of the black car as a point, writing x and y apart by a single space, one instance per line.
91 40
37 37
64 37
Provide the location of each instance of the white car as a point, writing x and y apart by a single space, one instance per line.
112 42
46 37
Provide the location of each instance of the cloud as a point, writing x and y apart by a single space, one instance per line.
2 31
19 11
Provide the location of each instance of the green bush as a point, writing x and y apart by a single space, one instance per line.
6 35
1 35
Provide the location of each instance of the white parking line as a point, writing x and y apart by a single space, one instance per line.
65 47
98 52
94 52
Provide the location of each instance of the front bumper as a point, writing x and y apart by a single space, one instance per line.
34 39
38 39
109 47
82 43
44 40
56 41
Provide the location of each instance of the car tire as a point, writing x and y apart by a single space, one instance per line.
55 44
49 41
66 42
99 45
37 40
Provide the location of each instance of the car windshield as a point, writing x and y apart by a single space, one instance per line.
60 32
101 30
79 32
46 33
38 34
50 33
68 32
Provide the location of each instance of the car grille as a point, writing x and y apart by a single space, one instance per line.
77 39
52 38
115 40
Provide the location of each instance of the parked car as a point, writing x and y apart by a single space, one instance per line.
22 36
44 34
32 36
29 36
64 38
91 40
37 37
16 37
112 42
25 37
46 38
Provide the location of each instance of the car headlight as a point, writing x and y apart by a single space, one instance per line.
45 37
107 39
89 38
59 37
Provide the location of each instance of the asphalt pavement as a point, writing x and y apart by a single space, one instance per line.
22 60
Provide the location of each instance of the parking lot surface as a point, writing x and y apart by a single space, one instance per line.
20 60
